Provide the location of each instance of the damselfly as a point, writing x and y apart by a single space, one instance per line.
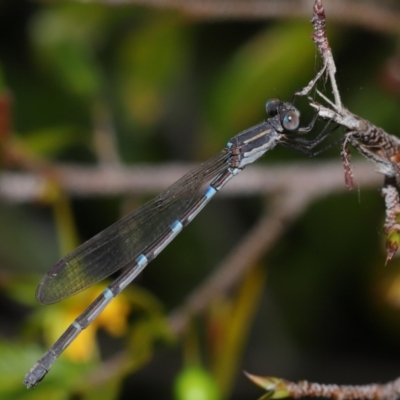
131 243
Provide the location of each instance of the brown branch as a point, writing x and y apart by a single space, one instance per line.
369 140
384 150
80 181
388 391
373 16
104 134
253 246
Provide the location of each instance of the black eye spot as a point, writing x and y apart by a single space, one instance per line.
272 106
290 120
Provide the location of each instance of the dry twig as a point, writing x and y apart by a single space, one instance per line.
369 140
384 151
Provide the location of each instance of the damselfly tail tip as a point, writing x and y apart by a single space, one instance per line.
34 376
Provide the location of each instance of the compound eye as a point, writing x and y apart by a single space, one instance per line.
272 106
290 120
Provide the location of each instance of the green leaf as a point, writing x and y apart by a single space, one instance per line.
50 141
150 60
66 46
275 63
275 387
195 383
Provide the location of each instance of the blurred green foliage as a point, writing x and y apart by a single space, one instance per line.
194 383
177 89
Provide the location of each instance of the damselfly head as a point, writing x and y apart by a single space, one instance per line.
288 115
